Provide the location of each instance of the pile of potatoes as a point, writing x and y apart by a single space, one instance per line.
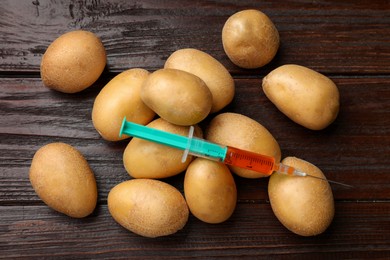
190 87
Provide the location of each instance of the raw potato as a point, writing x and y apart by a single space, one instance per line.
73 62
304 95
62 178
177 96
242 132
303 205
118 99
250 39
145 159
210 191
210 70
149 208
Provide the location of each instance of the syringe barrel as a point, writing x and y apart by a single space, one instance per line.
202 148
249 160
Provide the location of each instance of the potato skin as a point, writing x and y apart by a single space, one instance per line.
73 62
120 98
145 159
177 96
250 39
303 205
63 180
304 95
242 132
210 191
210 70
149 208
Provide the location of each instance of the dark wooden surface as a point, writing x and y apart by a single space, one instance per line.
349 41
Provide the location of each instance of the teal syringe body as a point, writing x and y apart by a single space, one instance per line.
191 145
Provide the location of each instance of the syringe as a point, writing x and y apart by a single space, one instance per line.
202 148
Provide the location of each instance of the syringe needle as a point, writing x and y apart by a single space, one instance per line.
335 182
288 170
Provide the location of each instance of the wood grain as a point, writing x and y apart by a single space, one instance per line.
347 41
328 36
251 232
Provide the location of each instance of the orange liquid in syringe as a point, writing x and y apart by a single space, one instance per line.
249 160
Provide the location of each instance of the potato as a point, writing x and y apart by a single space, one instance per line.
177 96
304 95
304 205
63 180
73 62
210 70
118 99
145 159
210 191
242 132
250 39
149 208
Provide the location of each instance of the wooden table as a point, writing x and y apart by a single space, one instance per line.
348 41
